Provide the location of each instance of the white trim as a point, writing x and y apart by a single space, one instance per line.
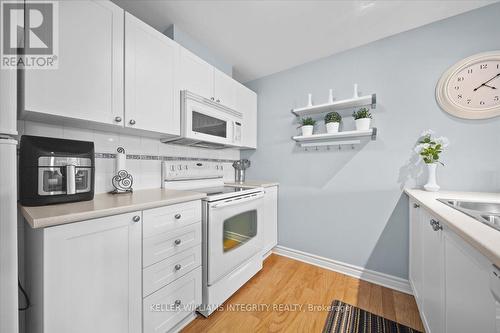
184 322
382 279
267 254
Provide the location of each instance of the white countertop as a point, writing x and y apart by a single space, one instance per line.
256 183
482 237
104 204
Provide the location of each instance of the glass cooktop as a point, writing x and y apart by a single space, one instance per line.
221 190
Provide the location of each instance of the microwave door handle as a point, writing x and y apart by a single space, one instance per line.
237 201
70 179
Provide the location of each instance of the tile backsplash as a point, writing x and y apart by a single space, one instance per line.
146 172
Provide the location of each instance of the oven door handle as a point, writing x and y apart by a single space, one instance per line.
238 200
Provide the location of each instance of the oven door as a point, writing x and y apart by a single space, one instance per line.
234 233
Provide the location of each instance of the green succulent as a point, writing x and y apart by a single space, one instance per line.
308 121
361 114
333 117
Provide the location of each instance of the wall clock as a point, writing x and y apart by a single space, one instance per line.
470 89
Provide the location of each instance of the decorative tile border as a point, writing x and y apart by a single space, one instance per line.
162 158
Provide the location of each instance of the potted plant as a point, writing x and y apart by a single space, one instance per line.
332 122
362 118
307 126
429 148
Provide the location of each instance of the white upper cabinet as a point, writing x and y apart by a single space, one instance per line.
199 77
196 75
246 103
151 89
88 85
225 89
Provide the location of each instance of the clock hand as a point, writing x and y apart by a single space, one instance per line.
490 86
482 85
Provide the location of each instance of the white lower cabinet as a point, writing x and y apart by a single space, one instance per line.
85 277
164 309
449 278
89 277
270 225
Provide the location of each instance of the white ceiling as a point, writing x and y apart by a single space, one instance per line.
263 37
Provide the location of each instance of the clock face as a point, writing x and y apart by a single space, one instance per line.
470 89
476 86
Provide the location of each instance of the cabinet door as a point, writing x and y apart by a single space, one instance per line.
92 276
270 225
246 103
433 276
88 85
470 306
151 90
196 75
225 89
416 250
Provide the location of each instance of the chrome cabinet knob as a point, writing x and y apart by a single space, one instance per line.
218 101
436 226
177 242
177 216
212 98
178 267
177 303
118 119
132 122
136 218
415 205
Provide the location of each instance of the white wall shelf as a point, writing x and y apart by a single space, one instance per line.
335 139
368 100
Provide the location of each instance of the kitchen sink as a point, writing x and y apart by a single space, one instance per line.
484 212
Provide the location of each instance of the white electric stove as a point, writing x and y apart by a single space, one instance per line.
232 227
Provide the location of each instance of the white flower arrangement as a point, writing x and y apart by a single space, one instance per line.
429 147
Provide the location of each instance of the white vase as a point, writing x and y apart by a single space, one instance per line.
363 124
431 185
332 127
307 130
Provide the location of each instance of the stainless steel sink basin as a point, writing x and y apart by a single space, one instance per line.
489 207
484 212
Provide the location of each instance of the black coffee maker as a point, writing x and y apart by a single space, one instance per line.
55 170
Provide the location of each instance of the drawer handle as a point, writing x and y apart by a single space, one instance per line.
132 122
177 303
436 226
178 267
415 205
136 218
177 216
177 242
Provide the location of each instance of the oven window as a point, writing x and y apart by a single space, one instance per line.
209 125
239 229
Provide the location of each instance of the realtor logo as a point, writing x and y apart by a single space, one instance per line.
29 36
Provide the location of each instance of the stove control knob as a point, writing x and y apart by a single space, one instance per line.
179 167
172 168
217 167
185 167
222 167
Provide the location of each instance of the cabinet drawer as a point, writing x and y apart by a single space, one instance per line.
163 219
162 246
160 311
160 274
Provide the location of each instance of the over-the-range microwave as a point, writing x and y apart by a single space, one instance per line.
205 123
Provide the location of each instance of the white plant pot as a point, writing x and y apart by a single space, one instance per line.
363 124
307 130
332 127
431 185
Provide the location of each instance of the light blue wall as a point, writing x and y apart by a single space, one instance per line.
348 205
184 39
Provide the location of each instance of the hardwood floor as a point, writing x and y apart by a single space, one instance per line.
289 283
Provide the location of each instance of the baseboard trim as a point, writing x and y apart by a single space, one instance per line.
379 278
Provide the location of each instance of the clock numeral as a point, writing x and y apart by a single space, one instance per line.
483 66
460 79
481 103
469 101
457 87
459 96
496 98
469 71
